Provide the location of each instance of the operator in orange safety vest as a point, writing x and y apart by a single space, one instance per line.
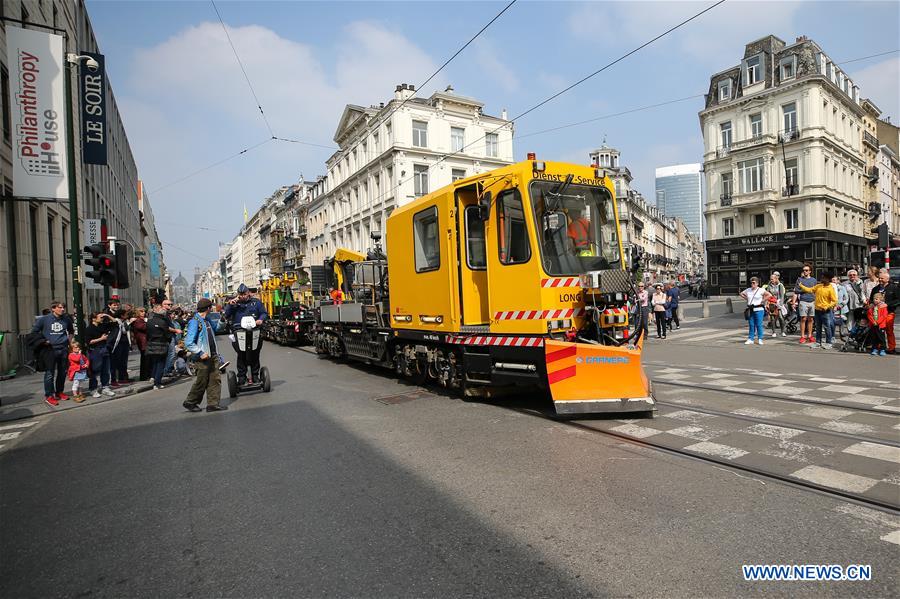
579 231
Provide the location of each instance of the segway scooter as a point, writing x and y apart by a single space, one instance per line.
248 337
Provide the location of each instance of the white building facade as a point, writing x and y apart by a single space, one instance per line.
784 168
391 154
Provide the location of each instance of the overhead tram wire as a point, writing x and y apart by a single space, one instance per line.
868 57
659 105
446 62
444 157
244 71
213 165
607 116
306 143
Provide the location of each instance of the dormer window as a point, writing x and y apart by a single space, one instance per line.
752 71
724 90
788 67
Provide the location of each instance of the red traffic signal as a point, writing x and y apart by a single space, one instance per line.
102 264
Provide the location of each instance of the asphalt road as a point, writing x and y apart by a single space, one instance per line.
317 489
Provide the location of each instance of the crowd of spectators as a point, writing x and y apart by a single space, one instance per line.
109 338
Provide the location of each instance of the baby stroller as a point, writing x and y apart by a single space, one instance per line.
859 339
791 320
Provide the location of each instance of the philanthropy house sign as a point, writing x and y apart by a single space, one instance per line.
38 113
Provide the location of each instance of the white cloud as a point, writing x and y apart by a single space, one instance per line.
881 83
723 31
186 105
487 59
197 70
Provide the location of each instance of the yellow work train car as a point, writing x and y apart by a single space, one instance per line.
511 277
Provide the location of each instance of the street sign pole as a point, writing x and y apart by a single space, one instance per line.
74 221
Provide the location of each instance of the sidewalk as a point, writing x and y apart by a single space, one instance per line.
23 396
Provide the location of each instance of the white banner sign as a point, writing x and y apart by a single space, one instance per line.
91 236
92 231
36 97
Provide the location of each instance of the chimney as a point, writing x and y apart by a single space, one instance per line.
503 114
405 91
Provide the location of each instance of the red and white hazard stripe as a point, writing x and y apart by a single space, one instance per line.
503 341
538 314
561 282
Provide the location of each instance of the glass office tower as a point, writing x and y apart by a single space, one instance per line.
679 194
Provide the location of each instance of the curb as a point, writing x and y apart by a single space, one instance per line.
42 409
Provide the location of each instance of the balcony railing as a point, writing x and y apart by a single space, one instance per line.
870 139
725 200
787 135
790 190
753 141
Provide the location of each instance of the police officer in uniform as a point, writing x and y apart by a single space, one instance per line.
238 308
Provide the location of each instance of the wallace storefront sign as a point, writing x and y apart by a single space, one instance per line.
757 241
38 117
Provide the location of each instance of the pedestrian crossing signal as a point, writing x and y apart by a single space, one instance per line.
102 264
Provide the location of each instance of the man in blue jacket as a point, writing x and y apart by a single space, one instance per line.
55 328
674 295
246 305
200 340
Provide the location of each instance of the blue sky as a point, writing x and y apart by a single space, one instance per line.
185 103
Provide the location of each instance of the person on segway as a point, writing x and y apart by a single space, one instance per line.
242 306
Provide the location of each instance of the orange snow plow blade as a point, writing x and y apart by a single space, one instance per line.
588 379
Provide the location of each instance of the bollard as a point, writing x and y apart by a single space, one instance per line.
705 305
729 309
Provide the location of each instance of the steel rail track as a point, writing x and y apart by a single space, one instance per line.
763 394
744 372
802 427
760 472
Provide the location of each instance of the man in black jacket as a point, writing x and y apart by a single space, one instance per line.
891 293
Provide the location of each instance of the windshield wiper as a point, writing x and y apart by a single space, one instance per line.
556 194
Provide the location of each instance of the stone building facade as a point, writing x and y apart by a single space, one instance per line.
35 236
389 155
784 165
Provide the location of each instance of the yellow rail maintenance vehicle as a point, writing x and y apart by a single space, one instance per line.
514 277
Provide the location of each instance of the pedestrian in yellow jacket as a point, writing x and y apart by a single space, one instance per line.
825 301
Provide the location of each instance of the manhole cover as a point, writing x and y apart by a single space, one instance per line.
392 400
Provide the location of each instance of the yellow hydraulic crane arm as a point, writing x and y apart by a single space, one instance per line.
342 256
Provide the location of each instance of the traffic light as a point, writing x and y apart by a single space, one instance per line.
102 263
123 265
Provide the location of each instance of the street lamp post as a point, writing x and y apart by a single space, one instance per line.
74 220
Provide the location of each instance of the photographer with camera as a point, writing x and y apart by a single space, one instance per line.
242 306
96 335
